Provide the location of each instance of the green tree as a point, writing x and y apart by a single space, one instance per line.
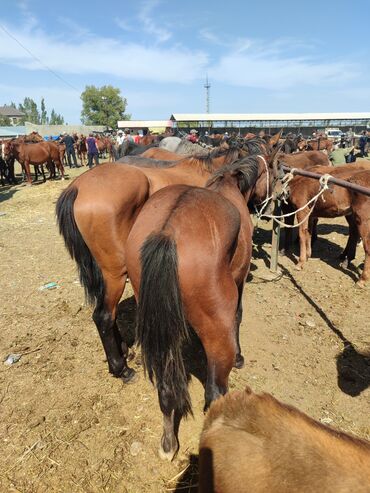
29 107
4 121
103 106
55 118
44 114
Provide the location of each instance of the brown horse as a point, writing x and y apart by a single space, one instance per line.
163 154
81 149
305 159
335 202
360 205
252 443
35 154
95 215
320 144
188 255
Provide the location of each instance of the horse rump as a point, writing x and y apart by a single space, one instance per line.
90 274
161 327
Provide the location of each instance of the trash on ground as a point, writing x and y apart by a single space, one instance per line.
11 359
49 285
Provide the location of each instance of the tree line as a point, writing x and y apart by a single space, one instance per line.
100 106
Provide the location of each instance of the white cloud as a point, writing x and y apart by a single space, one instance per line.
279 73
145 16
102 55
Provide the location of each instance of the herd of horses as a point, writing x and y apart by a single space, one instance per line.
179 227
33 150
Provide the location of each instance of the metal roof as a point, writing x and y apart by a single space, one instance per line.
212 117
144 123
12 131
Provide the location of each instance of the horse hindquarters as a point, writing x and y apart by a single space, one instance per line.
103 292
162 330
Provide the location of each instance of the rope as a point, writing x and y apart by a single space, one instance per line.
323 187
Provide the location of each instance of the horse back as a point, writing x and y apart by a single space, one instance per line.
254 443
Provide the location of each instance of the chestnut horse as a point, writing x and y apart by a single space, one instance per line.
252 443
360 204
335 202
81 149
188 256
320 144
35 154
305 159
95 215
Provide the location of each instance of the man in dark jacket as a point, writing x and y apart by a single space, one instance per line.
70 150
362 143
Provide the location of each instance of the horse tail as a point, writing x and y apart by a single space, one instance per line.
162 328
90 274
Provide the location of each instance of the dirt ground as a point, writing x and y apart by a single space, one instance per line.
68 426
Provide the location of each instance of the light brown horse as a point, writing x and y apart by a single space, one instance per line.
35 154
81 149
252 443
188 255
95 215
164 154
335 202
305 159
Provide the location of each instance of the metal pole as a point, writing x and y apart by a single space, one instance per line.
275 240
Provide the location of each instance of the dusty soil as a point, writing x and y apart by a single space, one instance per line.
67 425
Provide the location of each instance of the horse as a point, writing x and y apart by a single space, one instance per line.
81 149
290 143
95 215
35 154
253 443
162 153
128 147
319 144
335 202
305 159
188 256
360 205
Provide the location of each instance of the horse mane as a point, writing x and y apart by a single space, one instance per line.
206 162
245 169
254 145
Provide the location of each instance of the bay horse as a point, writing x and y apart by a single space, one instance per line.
95 215
188 256
335 202
252 443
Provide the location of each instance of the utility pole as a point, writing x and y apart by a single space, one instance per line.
207 87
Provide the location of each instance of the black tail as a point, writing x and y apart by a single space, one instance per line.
90 274
162 327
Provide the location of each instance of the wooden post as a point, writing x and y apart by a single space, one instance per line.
275 240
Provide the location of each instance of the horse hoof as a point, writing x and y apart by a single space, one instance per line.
239 362
282 252
344 264
129 375
360 283
299 267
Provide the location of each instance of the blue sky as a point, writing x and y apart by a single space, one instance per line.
265 56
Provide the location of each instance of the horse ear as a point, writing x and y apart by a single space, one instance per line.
275 138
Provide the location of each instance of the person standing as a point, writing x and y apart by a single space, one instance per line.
69 142
362 143
92 151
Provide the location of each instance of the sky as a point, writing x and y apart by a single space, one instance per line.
260 57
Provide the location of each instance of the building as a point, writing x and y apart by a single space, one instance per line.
13 114
253 122
13 131
155 126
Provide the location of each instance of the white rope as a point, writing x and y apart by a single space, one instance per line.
259 213
323 187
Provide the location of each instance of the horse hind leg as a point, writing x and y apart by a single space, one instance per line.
169 445
104 317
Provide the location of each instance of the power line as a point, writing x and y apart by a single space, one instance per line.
207 87
38 59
